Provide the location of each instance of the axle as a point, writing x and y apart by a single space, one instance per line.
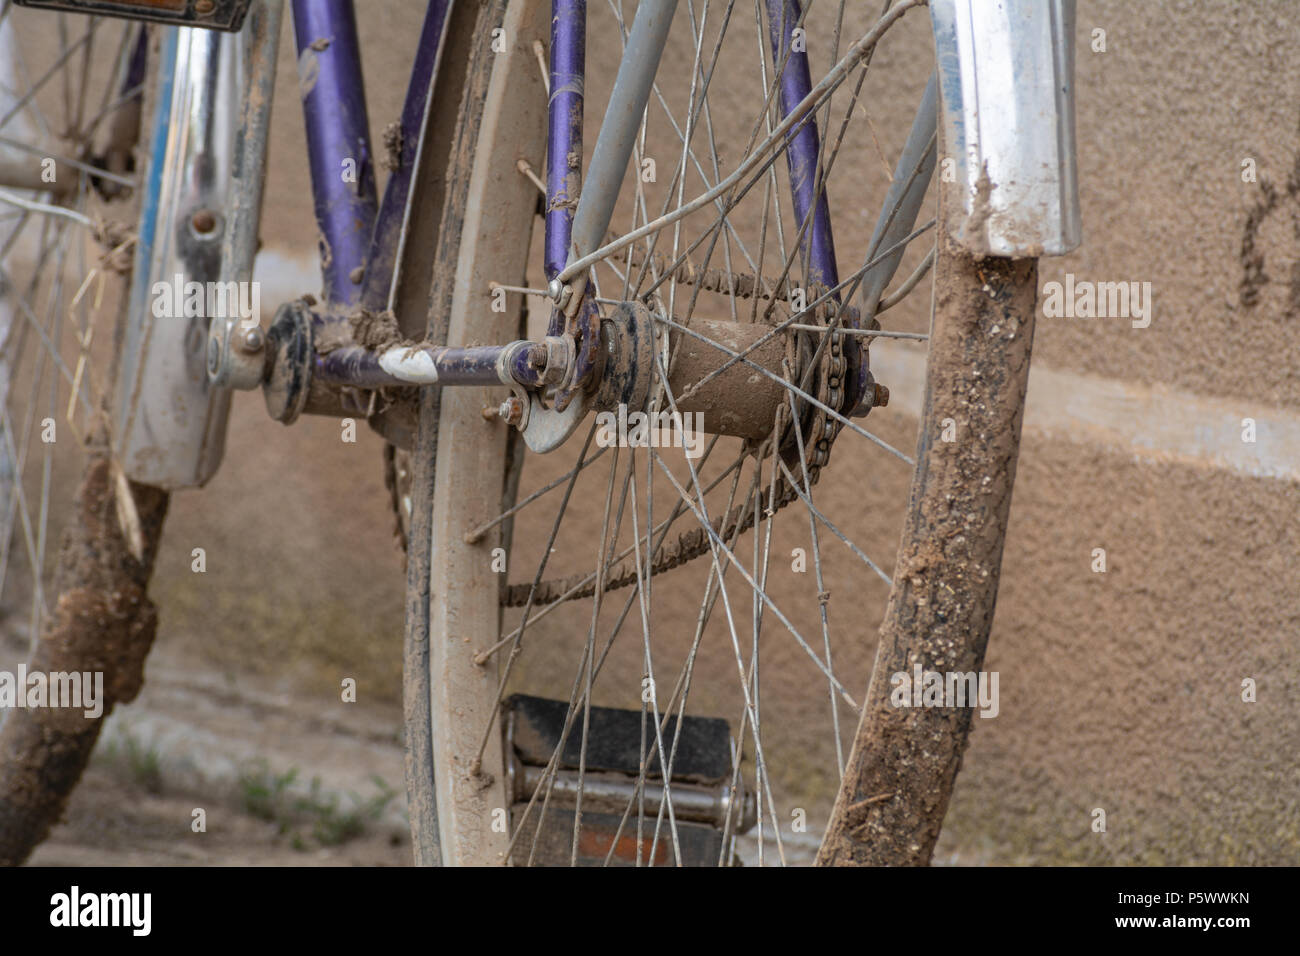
732 374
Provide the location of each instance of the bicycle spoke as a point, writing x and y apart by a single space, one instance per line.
54 68
690 247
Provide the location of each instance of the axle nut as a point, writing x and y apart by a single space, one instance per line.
512 410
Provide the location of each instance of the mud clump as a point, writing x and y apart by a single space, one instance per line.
392 159
375 330
103 622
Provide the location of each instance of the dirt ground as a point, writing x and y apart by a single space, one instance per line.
282 779
115 823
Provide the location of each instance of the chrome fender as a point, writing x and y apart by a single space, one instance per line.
1008 166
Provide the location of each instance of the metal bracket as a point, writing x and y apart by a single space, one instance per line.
236 358
546 429
169 419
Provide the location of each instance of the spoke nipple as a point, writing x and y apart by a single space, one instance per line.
881 397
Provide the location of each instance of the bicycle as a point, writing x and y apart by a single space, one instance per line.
476 342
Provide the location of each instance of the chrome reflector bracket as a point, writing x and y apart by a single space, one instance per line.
193 258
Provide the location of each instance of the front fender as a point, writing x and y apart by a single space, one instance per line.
1006 82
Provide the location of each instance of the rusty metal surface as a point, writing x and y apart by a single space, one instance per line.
602 839
740 401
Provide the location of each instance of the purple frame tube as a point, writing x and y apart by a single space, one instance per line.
338 128
805 147
564 130
355 232
816 241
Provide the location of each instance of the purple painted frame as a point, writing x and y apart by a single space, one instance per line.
390 229
360 239
809 195
564 128
804 151
338 129
357 232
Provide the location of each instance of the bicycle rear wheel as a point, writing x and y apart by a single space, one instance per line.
649 650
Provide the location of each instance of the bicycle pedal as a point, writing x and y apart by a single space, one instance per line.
619 822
